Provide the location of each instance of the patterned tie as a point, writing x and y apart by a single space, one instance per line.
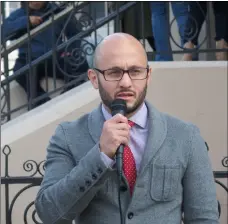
129 167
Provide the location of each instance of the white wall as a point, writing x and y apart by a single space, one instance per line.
194 91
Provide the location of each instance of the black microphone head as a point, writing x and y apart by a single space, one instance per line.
118 106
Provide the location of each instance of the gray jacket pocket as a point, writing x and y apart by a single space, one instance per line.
164 182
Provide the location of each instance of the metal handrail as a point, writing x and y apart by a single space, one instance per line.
23 39
38 180
71 40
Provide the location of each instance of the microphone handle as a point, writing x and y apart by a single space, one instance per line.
119 165
119 160
119 152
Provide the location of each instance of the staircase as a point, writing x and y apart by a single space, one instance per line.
93 29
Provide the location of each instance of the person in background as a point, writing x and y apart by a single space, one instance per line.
197 15
136 21
166 167
161 28
15 26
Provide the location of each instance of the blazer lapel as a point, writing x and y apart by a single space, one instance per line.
157 134
95 123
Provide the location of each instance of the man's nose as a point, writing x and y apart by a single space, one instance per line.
126 80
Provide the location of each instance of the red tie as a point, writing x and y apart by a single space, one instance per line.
129 167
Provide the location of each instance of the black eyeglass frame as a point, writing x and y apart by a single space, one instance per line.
124 71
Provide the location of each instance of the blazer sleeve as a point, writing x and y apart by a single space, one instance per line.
14 26
200 203
68 186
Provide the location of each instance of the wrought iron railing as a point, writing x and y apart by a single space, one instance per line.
68 56
73 57
26 181
36 170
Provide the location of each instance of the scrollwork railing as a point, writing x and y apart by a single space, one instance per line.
69 58
34 179
36 170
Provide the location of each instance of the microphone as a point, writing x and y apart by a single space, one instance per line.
119 106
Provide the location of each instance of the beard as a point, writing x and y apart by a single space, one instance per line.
107 99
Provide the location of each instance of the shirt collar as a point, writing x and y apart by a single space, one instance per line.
140 118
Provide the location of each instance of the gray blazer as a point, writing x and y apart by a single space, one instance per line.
175 175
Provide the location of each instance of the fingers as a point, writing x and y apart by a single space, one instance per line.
121 138
123 133
118 122
124 140
38 20
119 118
122 126
116 131
35 20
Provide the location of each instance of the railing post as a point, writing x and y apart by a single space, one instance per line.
54 58
117 19
6 151
210 31
142 23
30 78
6 69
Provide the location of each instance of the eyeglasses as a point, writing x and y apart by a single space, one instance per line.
116 74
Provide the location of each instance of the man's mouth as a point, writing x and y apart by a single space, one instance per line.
125 94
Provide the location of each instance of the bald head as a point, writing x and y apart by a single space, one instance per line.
120 67
116 45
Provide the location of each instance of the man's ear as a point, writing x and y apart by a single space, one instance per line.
149 75
92 75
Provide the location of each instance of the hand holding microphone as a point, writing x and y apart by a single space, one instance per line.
115 134
116 131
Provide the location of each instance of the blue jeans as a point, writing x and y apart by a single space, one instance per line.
161 27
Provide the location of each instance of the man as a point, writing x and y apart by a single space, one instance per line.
167 171
15 26
132 23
